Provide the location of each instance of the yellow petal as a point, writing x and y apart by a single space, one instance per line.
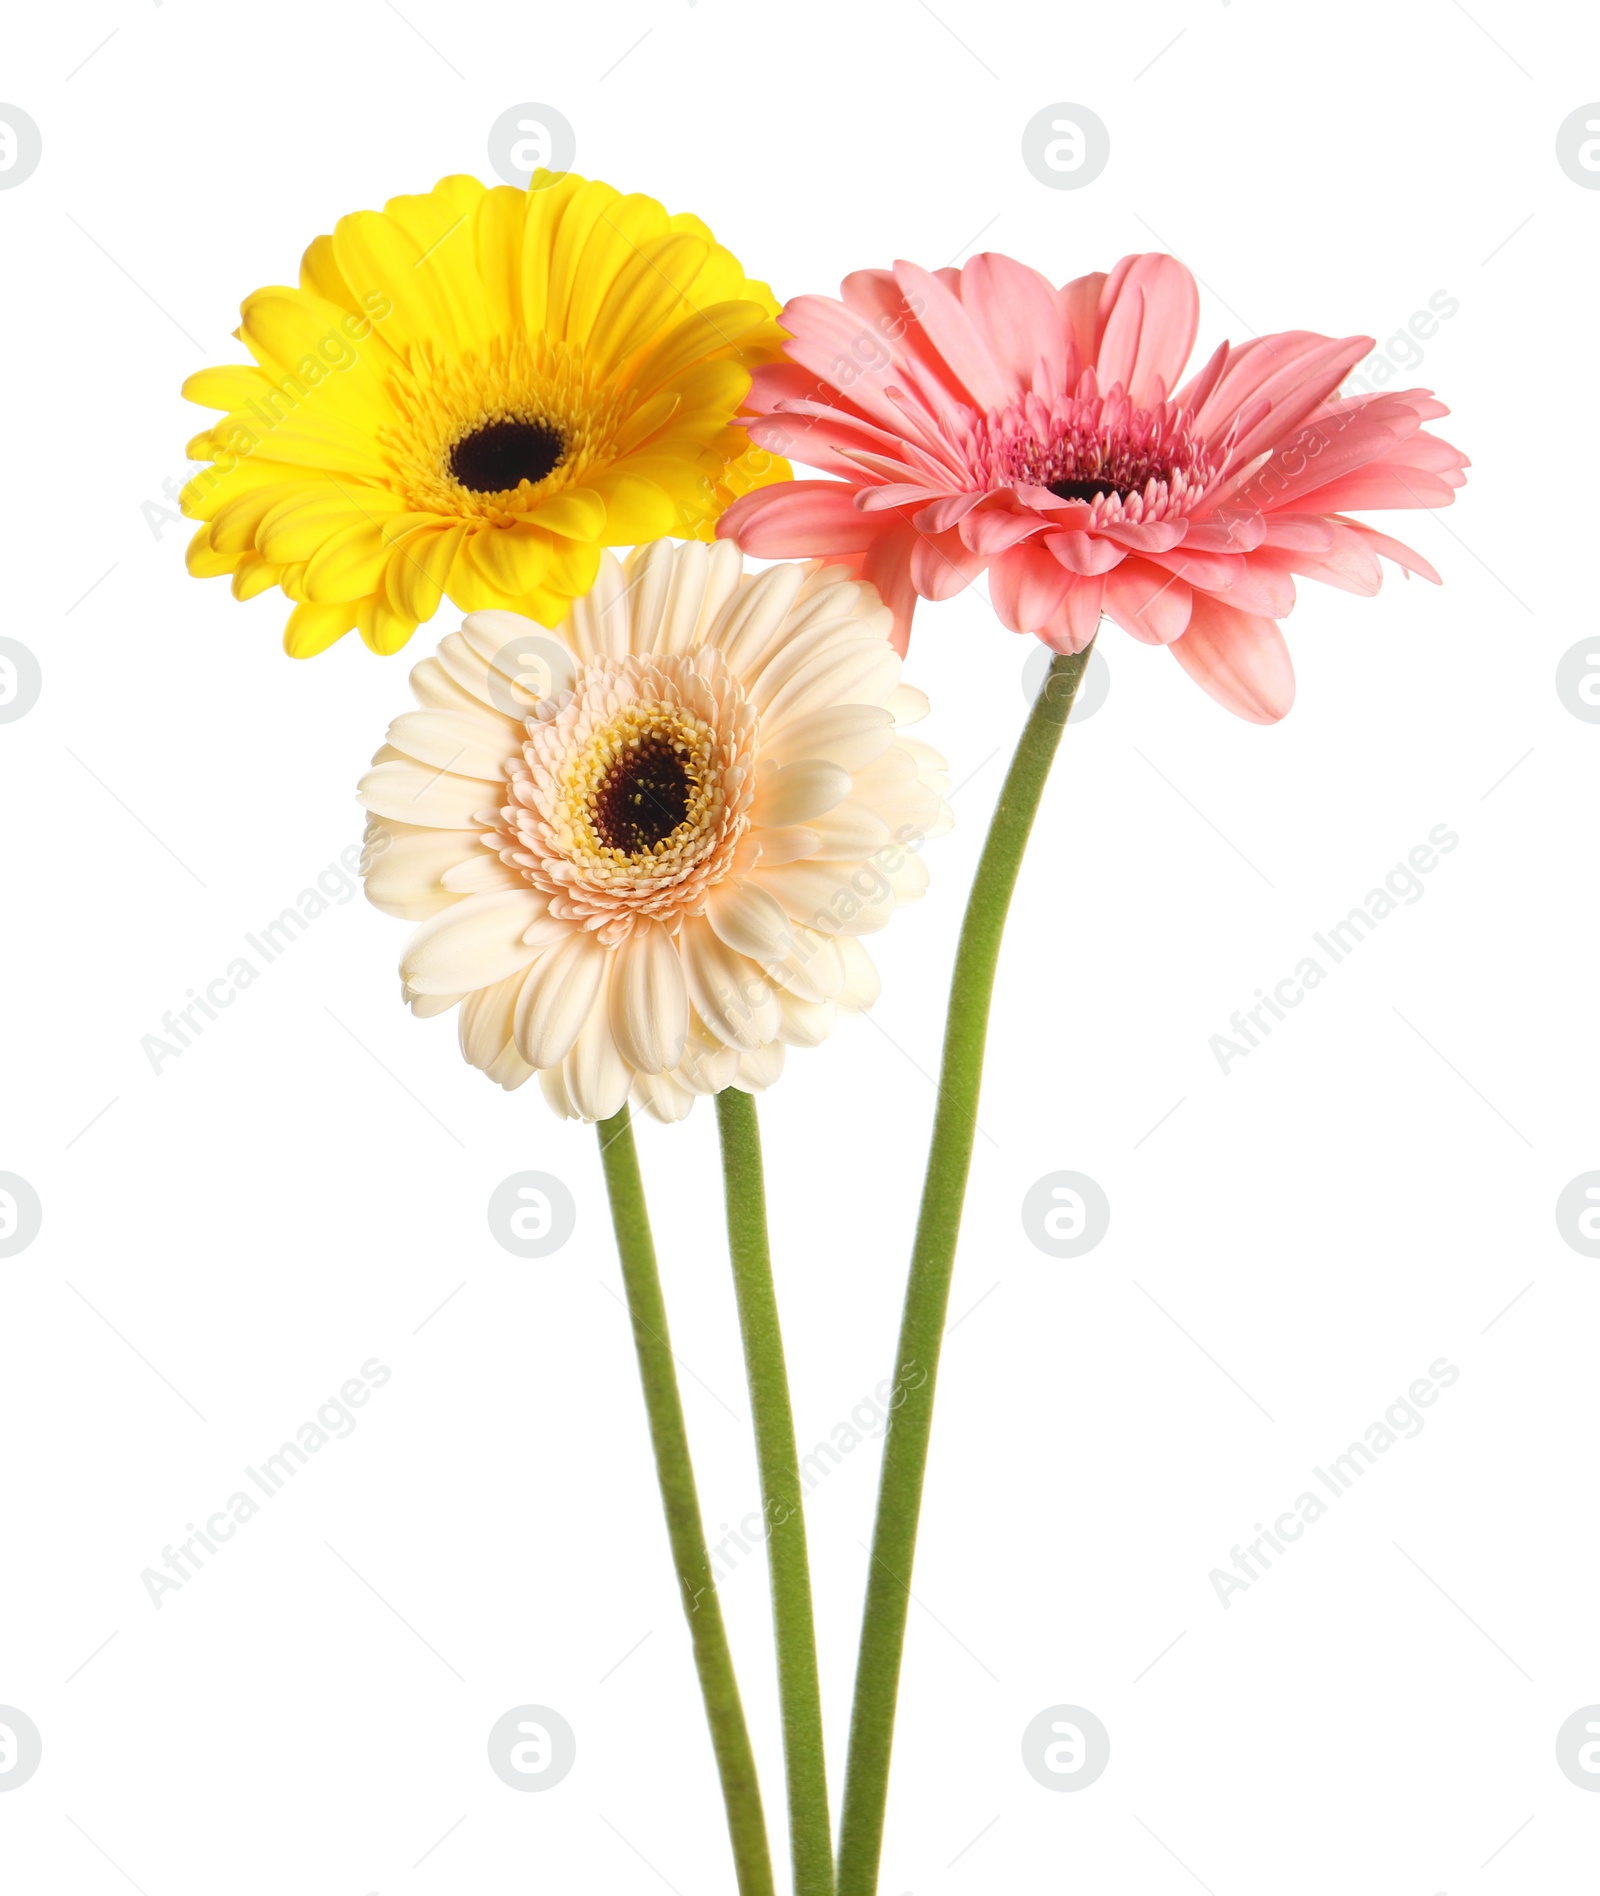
312 629
379 260
624 228
574 567
636 511
577 512
545 207
414 582
204 561
320 274
382 629
497 243
296 528
647 294
254 575
512 559
349 565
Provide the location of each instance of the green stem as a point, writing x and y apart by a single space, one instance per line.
730 1739
799 1694
905 1456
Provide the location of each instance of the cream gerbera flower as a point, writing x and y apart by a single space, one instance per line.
469 394
643 847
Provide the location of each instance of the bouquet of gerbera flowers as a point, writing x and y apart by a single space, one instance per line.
645 811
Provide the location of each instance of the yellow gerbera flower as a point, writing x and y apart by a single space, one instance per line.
471 393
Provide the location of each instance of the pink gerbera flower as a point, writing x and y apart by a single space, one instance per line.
983 421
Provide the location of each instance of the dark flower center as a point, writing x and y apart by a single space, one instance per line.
1089 490
644 797
501 453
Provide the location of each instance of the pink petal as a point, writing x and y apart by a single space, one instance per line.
1298 533
894 494
895 319
1151 605
1395 550
941 566
939 515
1080 302
1229 531
1076 620
1263 586
844 352
1239 658
1147 321
1085 553
1279 380
1026 586
1147 536
800 519
886 564
1348 563
1215 572
952 332
1018 316
990 530
1381 485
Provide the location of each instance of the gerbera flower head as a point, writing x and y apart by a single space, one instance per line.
982 421
470 393
643 850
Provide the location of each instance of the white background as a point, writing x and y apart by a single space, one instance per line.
1295 1244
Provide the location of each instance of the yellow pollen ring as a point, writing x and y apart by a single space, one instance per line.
586 773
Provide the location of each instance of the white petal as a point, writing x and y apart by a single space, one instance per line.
724 571
760 1069
862 671
861 985
728 990
404 867
917 816
553 1084
431 799
464 668
826 596
524 661
850 833
557 998
597 626
749 920
707 1066
486 1017
849 735
795 651
894 771
426 1006
812 969
649 1002
795 793
510 1070
663 1096
470 744
679 619
834 897
804 1023
932 767
752 623
433 687
908 877
906 704
472 944
772 847
480 873
649 572
596 1075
